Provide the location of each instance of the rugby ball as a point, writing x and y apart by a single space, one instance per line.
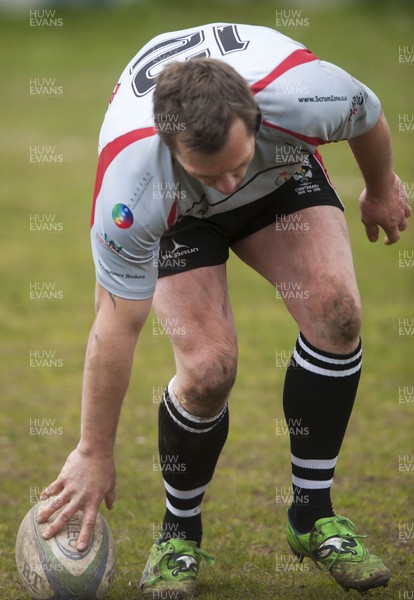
54 570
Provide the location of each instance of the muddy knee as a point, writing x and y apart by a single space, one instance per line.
335 319
203 386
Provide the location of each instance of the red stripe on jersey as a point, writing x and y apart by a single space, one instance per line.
318 157
315 141
299 57
110 152
116 88
172 215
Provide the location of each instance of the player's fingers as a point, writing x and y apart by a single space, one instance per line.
52 490
88 524
110 499
403 225
393 235
60 521
372 232
51 506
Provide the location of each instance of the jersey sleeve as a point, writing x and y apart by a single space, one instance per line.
321 102
128 218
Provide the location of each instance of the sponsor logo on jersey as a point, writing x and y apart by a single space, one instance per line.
122 216
304 174
304 178
120 275
282 177
110 245
331 98
356 102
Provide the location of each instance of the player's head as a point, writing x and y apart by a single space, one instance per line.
201 108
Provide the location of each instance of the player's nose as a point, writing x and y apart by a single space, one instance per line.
226 184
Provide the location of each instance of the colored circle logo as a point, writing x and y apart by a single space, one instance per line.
122 216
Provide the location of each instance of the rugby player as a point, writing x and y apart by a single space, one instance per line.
210 142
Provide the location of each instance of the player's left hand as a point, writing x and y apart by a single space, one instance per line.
388 210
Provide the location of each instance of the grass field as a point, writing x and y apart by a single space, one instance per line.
244 512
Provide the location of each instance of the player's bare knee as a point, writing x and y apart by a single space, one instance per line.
344 319
215 380
336 319
211 382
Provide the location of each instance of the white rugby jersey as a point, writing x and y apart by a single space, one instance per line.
140 191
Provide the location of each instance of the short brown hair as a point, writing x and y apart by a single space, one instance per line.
196 102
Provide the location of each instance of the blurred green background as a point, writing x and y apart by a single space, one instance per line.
78 55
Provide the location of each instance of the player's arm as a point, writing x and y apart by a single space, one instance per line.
88 476
348 110
383 202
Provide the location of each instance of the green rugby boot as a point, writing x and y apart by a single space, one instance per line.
171 570
334 544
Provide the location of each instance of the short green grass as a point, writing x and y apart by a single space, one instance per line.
244 522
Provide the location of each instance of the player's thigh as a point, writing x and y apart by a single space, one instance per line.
307 256
195 309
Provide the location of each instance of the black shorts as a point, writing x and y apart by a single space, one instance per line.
193 242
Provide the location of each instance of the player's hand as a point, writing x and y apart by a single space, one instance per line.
388 210
83 483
